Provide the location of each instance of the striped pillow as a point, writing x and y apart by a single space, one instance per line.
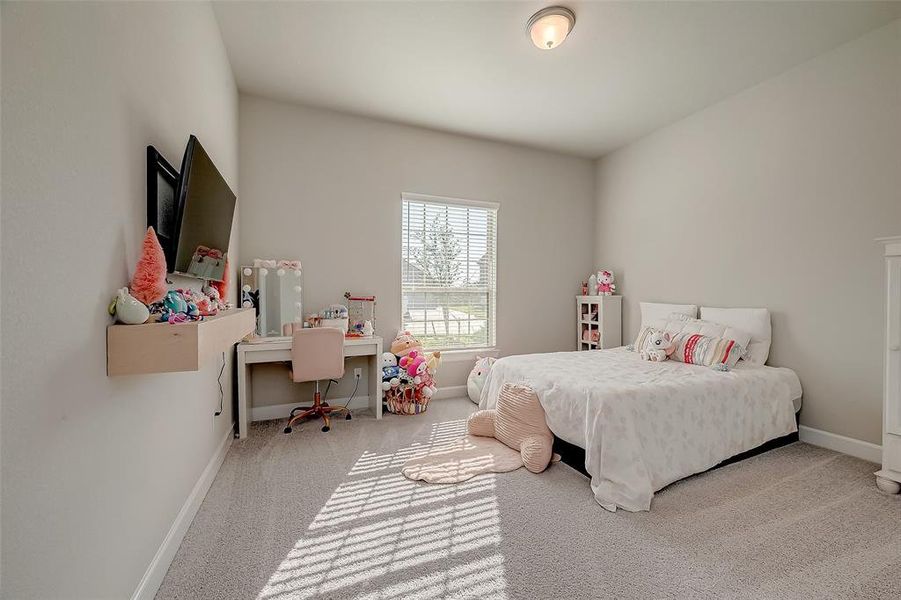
697 349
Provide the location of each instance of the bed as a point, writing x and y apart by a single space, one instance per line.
644 425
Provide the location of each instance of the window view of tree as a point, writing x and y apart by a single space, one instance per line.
448 274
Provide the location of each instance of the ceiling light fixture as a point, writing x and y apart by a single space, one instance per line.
550 26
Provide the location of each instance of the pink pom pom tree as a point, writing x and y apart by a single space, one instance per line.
149 282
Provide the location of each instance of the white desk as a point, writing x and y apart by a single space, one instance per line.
278 349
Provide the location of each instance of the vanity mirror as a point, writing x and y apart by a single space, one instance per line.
276 293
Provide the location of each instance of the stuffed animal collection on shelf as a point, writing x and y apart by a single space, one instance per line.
148 298
408 375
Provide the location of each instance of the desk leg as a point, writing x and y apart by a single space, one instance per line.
245 391
375 382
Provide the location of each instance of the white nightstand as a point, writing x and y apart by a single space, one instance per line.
601 314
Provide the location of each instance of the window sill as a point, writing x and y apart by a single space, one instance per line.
468 354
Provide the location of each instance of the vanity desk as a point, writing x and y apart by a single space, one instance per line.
278 349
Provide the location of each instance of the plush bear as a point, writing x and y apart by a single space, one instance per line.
476 380
405 343
657 346
518 422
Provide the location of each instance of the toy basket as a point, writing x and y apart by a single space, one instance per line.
405 401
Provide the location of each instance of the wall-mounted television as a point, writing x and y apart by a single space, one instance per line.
203 207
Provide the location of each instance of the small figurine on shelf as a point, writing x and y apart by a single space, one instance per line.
127 309
593 285
605 280
584 288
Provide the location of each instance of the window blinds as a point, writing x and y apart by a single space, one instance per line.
449 271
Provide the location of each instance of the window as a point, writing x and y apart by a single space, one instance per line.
448 271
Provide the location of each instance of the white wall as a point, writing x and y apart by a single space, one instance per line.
325 187
95 469
772 198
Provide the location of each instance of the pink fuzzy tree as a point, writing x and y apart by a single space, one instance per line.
149 282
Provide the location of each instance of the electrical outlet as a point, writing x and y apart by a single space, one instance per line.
358 373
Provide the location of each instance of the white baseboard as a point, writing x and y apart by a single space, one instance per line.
839 443
451 391
156 571
281 411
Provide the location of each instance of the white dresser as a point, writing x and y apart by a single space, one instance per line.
889 478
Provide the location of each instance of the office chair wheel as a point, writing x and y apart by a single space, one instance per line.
325 428
287 430
347 418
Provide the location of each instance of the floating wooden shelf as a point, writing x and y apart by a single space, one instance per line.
164 348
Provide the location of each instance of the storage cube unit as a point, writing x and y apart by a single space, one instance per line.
599 322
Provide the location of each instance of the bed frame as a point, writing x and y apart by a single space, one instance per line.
574 456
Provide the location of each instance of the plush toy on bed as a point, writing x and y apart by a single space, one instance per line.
657 346
476 380
519 422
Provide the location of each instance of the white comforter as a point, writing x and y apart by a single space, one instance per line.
643 424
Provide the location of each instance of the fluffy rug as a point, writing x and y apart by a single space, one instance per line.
462 460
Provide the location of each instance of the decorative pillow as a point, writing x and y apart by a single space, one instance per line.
755 321
697 349
683 325
655 311
518 422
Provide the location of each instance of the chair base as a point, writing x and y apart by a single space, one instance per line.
319 409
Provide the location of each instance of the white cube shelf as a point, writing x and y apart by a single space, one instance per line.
599 322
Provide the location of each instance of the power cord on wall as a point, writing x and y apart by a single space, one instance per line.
352 394
221 392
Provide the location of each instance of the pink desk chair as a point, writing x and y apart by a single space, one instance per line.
316 354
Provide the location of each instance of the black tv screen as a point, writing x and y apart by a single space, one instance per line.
206 207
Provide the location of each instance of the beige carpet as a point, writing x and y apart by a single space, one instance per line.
313 515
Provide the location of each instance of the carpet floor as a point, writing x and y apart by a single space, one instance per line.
315 515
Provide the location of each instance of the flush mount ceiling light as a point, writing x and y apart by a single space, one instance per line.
550 26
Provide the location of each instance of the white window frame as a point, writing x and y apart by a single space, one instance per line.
466 352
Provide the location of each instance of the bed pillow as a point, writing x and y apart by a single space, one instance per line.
680 324
655 311
697 349
756 321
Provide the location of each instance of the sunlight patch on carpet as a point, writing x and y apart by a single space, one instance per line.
382 536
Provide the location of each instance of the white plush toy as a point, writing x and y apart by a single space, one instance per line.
657 347
477 376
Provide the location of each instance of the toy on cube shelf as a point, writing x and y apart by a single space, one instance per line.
605 280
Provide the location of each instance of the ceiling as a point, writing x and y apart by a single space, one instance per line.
627 69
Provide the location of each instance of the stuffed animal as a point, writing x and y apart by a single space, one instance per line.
476 380
519 422
413 363
606 287
657 346
433 361
405 343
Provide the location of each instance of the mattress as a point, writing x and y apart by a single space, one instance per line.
645 424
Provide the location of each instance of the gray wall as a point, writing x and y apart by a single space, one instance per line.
95 469
325 187
772 198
